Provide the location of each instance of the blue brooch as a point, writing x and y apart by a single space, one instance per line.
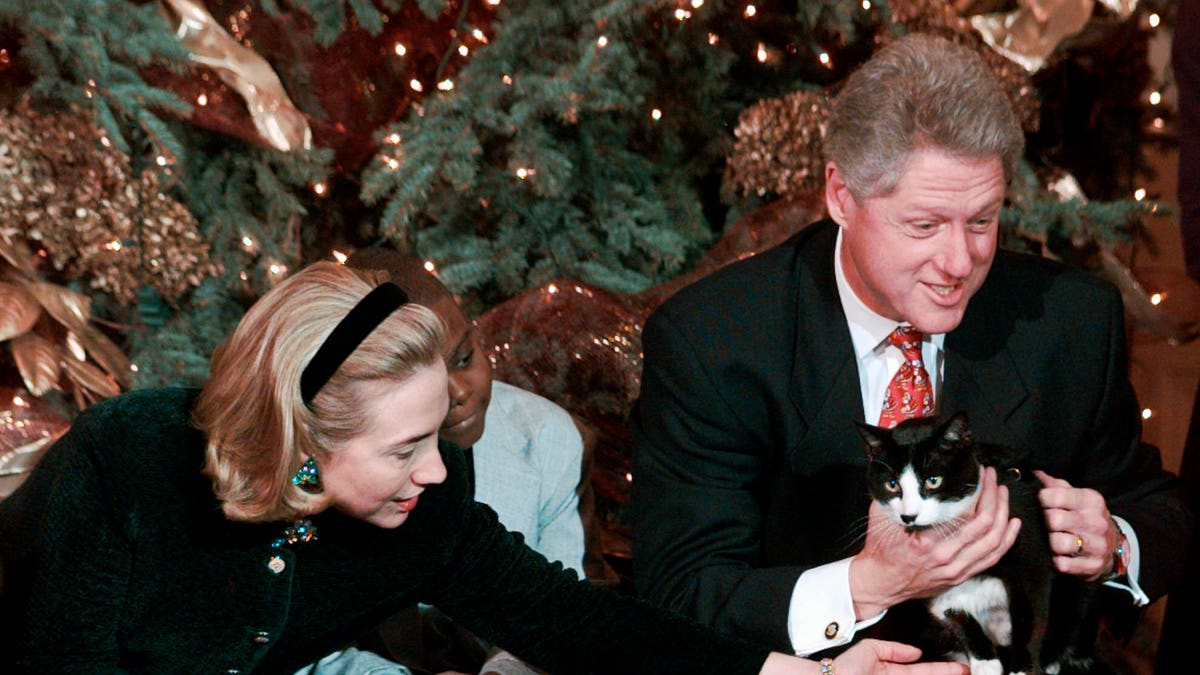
299 532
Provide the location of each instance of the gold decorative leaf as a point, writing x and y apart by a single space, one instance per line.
91 378
69 308
38 361
75 346
19 310
106 353
16 253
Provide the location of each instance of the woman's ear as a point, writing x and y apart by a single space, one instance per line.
838 200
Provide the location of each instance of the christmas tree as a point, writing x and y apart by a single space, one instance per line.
167 161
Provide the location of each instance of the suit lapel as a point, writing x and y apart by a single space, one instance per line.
824 384
981 375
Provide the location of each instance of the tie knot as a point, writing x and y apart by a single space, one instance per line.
908 340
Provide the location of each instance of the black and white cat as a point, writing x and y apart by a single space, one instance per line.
1020 616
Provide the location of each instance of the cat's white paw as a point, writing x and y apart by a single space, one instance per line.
988 667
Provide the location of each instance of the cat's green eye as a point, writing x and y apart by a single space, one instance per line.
892 486
933 482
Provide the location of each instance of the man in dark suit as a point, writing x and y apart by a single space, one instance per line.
750 504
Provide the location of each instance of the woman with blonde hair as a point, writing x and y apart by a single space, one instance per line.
300 497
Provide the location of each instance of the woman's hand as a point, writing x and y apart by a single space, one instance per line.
868 657
876 657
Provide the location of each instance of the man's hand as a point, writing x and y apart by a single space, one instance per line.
896 564
1082 533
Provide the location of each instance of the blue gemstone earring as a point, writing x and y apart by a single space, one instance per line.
307 478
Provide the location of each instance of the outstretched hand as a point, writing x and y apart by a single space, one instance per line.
1082 533
897 564
870 657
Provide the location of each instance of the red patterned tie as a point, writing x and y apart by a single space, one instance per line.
909 394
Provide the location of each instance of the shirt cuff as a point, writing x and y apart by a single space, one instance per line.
1130 581
821 612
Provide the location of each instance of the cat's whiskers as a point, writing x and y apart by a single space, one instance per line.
950 526
858 529
860 526
892 531
888 532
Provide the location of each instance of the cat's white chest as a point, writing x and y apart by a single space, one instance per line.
983 597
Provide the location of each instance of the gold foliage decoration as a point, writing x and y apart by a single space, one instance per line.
78 201
38 362
778 146
61 190
53 341
18 311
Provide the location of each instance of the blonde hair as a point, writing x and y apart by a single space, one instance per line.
258 427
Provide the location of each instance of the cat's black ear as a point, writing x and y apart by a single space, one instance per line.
872 435
956 429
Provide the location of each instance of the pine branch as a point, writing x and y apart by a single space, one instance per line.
546 128
176 351
1074 229
249 201
330 16
87 52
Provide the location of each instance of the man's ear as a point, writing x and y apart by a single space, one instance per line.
838 200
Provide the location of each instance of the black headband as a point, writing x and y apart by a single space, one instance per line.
364 318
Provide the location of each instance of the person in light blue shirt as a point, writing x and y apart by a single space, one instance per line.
527 468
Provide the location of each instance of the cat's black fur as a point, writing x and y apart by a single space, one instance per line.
1053 617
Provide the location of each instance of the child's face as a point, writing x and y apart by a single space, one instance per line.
470 377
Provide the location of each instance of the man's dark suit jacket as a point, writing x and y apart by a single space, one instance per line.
747 466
